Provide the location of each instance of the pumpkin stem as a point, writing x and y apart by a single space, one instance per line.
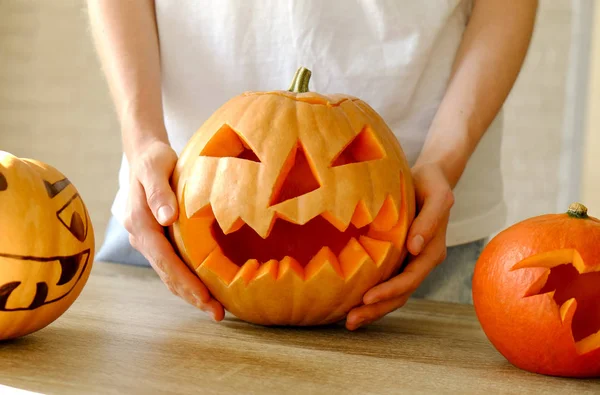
300 81
577 210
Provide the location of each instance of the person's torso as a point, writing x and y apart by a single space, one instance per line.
396 55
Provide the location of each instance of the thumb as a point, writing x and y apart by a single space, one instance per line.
159 194
426 224
161 200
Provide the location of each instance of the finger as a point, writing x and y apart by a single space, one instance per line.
413 275
426 224
364 315
185 283
148 238
158 192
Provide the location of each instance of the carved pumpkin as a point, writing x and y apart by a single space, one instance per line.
46 248
293 204
536 292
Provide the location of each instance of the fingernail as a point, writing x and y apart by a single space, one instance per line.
371 300
358 323
418 241
164 213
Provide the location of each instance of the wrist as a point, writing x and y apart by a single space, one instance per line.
142 123
136 141
448 148
450 166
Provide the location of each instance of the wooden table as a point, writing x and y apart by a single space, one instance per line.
128 334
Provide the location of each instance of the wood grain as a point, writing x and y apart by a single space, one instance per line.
128 334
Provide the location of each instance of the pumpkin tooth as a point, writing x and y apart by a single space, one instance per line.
324 258
269 268
335 221
200 228
290 265
235 226
567 310
396 235
196 193
352 257
378 250
387 217
588 344
361 216
220 265
204 212
247 272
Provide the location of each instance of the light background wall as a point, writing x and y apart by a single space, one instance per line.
591 152
54 105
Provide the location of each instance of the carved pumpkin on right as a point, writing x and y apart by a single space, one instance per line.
536 292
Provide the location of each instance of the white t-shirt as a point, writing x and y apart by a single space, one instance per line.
396 55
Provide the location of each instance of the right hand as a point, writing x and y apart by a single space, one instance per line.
151 206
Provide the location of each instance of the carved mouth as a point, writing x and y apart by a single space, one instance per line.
317 237
576 290
19 294
305 248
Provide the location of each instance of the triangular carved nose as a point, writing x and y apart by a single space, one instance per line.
296 178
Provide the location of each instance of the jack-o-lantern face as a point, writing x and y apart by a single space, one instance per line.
293 204
536 291
46 248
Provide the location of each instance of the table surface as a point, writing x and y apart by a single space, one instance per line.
128 334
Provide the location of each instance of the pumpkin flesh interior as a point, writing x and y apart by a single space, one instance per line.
300 242
567 283
573 285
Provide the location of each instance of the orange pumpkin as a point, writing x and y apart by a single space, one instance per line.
293 204
536 292
46 248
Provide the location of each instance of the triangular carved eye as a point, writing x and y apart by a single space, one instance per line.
363 147
226 142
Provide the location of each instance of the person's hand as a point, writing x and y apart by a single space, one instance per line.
151 206
426 243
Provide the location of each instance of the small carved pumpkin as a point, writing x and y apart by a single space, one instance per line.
293 204
46 245
536 291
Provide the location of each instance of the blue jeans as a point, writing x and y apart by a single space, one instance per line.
450 281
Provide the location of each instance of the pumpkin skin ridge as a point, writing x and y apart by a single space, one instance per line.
534 332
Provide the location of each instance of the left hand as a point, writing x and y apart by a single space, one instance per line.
426 243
